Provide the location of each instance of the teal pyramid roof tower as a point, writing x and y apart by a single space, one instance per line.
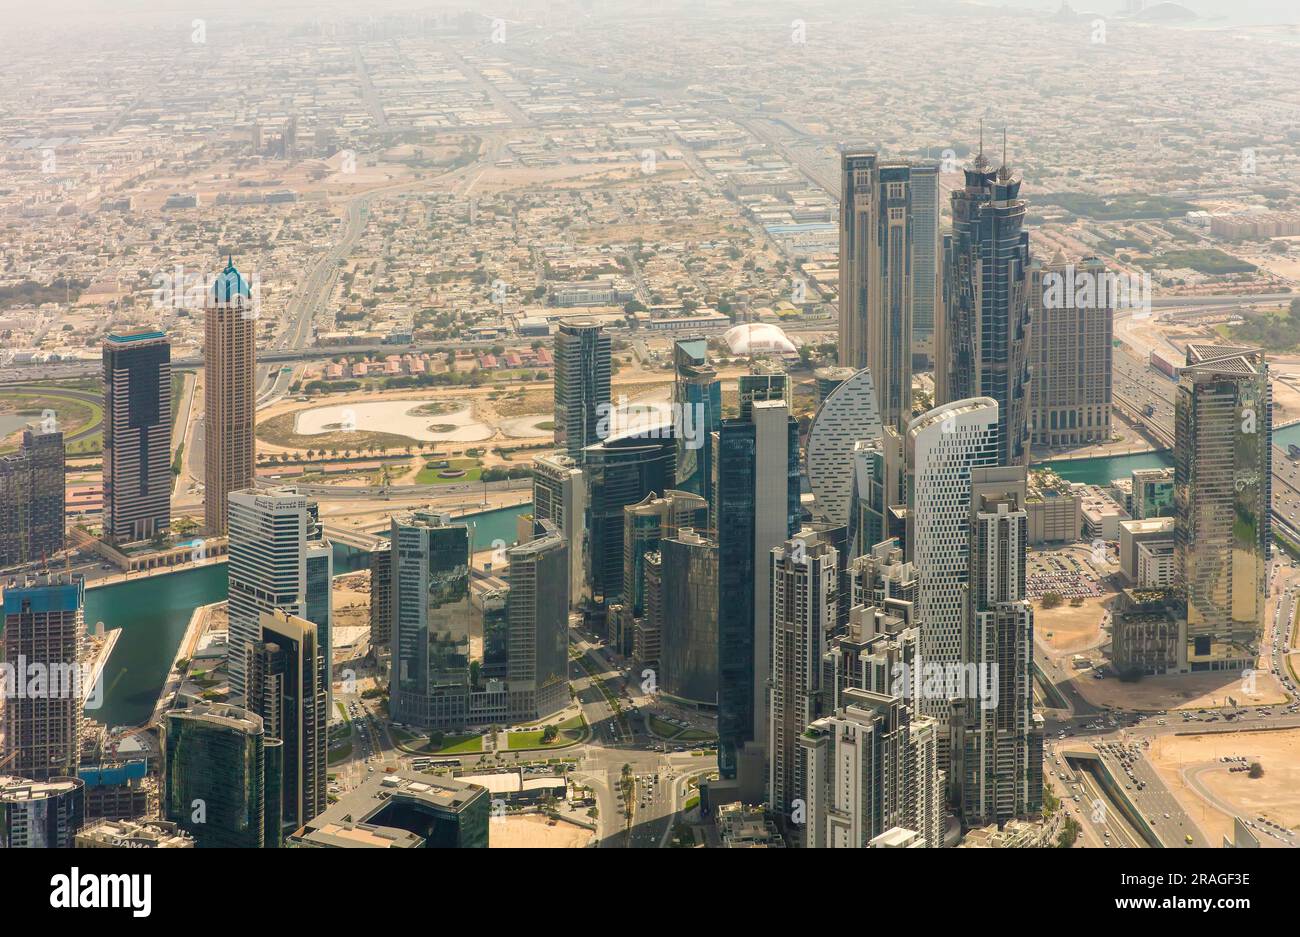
230 285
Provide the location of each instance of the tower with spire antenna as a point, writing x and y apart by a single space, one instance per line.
982 344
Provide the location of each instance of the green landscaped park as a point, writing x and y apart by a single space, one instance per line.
431 475
571 732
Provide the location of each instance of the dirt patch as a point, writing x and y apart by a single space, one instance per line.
1191 767
532 831
1180 691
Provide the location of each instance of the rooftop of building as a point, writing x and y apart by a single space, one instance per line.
16 790
347 822
134 336
136 834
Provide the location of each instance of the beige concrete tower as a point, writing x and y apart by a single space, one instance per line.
229 395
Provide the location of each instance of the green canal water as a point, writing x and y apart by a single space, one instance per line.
154 612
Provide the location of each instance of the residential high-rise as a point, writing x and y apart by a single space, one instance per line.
538 614
229 393
684 602
878 650
137 435
805 583
845 418
882 578
997 740
44 635
560 496
1223 470
221 781
44 814
868 768
32 496
278 559
1070 395
877 492
697 403
429 682
286 686
985 331
582 375
755 507
381 594
889 234
943 447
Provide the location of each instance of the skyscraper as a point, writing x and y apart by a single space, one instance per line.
846 417
644 525
44 635
219 777
560 496
997 738
32 496
697 401
1223 470
803 613
381 594
871 767
278 559
41 814
985 329
684 608
286 686
1070 395
538 613
619 471
943 447
137 435
429 681
229 393
582 375
755 507
889 232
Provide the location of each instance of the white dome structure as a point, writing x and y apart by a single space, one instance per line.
759 338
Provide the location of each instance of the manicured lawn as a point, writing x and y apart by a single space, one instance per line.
570 731
664 729
471 468
461 745
449 744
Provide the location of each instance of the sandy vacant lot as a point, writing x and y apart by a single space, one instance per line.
1190 766
531 831
1072 629
1179 691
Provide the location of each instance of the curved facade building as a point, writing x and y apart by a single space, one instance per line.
943 447
848 415
689 600
215 780
41 814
